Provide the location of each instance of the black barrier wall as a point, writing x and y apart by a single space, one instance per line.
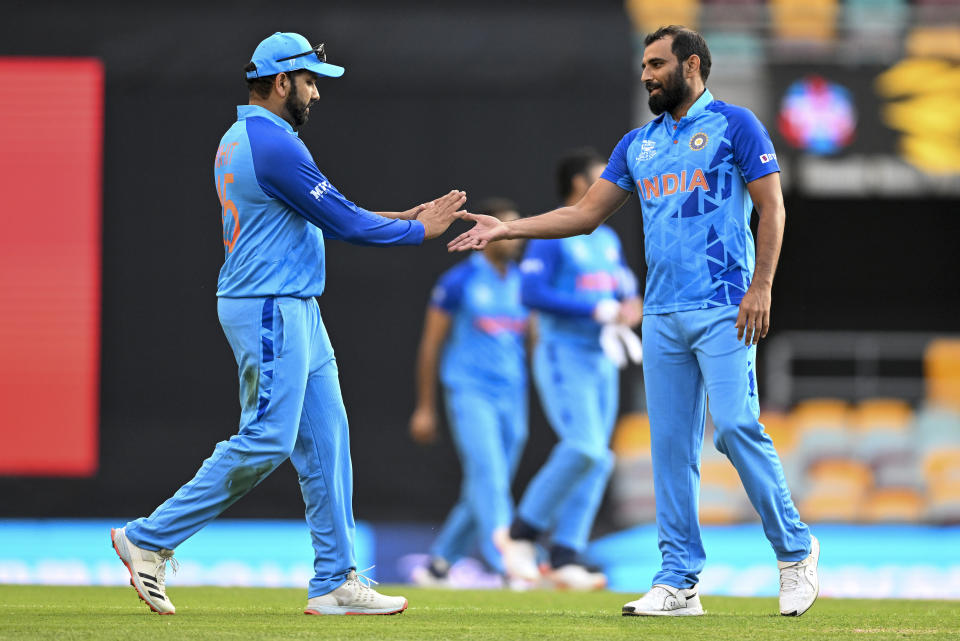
482 98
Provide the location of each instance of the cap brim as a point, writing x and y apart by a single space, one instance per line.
326 69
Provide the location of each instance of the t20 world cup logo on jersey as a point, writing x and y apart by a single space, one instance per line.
648 149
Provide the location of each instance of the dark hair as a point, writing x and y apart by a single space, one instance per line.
686 43
575 163
496 206
262 86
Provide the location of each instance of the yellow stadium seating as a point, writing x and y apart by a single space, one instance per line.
650 15
941 363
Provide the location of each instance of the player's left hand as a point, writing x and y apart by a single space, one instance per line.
753 321
413 212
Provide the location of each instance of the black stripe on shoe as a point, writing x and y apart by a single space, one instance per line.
150 585
144 575
156 594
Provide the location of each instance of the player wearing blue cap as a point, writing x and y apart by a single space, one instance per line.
698 167
474 333
577 286
277 209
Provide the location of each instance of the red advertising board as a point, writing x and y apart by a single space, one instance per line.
51 139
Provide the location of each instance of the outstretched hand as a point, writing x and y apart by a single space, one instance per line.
437 215
487 230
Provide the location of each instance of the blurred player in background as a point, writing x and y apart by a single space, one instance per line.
476 321
576 286
277 208
699 167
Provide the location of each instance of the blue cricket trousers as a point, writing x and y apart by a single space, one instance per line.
579 392
489 428
688 356
291 407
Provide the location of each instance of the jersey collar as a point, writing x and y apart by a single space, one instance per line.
256 111
695 109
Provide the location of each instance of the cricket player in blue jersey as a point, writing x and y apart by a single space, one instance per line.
699 168
277 209
576 286
475 333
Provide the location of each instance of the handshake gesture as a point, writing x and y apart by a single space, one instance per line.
436 215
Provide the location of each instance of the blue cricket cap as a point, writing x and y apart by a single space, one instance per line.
286 52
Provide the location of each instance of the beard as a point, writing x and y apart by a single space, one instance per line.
672 93
295 108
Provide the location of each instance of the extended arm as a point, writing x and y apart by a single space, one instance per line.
423 423
602 200
286 171
753 321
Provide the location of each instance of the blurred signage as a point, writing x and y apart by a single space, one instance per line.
817 116
869 130
51 128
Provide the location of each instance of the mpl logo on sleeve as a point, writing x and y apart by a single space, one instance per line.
320 190
648 149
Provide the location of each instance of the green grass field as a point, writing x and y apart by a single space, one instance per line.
65 613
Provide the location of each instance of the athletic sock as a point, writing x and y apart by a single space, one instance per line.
520 530
561 555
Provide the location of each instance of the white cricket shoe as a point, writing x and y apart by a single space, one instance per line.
665 601
355 597
575 577
147 571
519 559
799 583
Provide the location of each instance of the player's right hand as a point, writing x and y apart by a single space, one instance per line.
487 230
423 426
437 215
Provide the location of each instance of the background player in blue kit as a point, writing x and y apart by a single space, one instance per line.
576 285
699 167
476 320
277 208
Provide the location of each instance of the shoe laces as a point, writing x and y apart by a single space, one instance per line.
362 579
161 571
790 577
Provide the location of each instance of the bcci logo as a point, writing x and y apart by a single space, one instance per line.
648 149
699 141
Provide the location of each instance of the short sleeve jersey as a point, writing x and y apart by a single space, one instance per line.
565 278
277 208
691 176
486 344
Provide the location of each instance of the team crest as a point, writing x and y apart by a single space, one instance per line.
648 149
699 141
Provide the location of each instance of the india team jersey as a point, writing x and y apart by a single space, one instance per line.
486 342
277 208
691 176
565 278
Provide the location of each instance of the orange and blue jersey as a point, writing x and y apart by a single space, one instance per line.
277 209
691 176
565 278
486 344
